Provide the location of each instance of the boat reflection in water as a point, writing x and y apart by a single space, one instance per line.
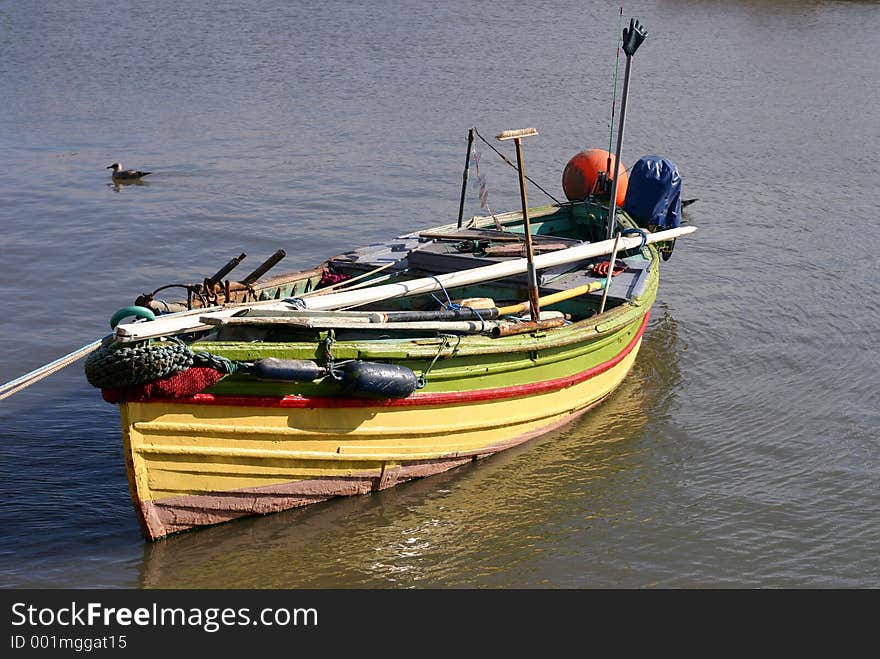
483 523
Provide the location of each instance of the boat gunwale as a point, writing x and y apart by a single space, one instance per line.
438 398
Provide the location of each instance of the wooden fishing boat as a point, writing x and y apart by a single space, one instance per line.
322 402
391 362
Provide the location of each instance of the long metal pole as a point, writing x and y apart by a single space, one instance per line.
612 204
464 182
534 304
633 36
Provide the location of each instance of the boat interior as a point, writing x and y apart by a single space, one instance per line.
486 240
480 241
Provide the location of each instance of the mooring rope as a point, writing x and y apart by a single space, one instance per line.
34 376
631 231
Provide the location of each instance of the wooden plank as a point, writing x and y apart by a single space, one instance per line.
475 234
515 133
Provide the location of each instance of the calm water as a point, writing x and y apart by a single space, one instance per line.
742 450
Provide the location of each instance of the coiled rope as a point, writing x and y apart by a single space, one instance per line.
449 305
117 365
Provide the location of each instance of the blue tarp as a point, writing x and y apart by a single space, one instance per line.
653 196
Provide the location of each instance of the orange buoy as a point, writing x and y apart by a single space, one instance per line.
581 172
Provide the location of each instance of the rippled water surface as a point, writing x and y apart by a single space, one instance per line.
741 451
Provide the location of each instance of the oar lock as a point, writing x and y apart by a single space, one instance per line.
215 289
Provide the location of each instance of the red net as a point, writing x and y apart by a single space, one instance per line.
180 385
601 269
331 277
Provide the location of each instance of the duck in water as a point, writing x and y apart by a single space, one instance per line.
120 174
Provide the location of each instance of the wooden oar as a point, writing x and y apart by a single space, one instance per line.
363 316
481 274
179 324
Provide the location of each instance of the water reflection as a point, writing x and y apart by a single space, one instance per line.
487 523
117 185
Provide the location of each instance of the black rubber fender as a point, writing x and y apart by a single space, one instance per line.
375 380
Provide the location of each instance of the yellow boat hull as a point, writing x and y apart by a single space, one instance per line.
212 459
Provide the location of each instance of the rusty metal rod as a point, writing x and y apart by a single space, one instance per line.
211 282
264 267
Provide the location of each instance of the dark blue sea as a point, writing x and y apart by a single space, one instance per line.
742 451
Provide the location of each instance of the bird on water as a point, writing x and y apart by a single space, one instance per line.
120 174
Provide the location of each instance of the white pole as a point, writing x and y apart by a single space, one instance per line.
610 274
